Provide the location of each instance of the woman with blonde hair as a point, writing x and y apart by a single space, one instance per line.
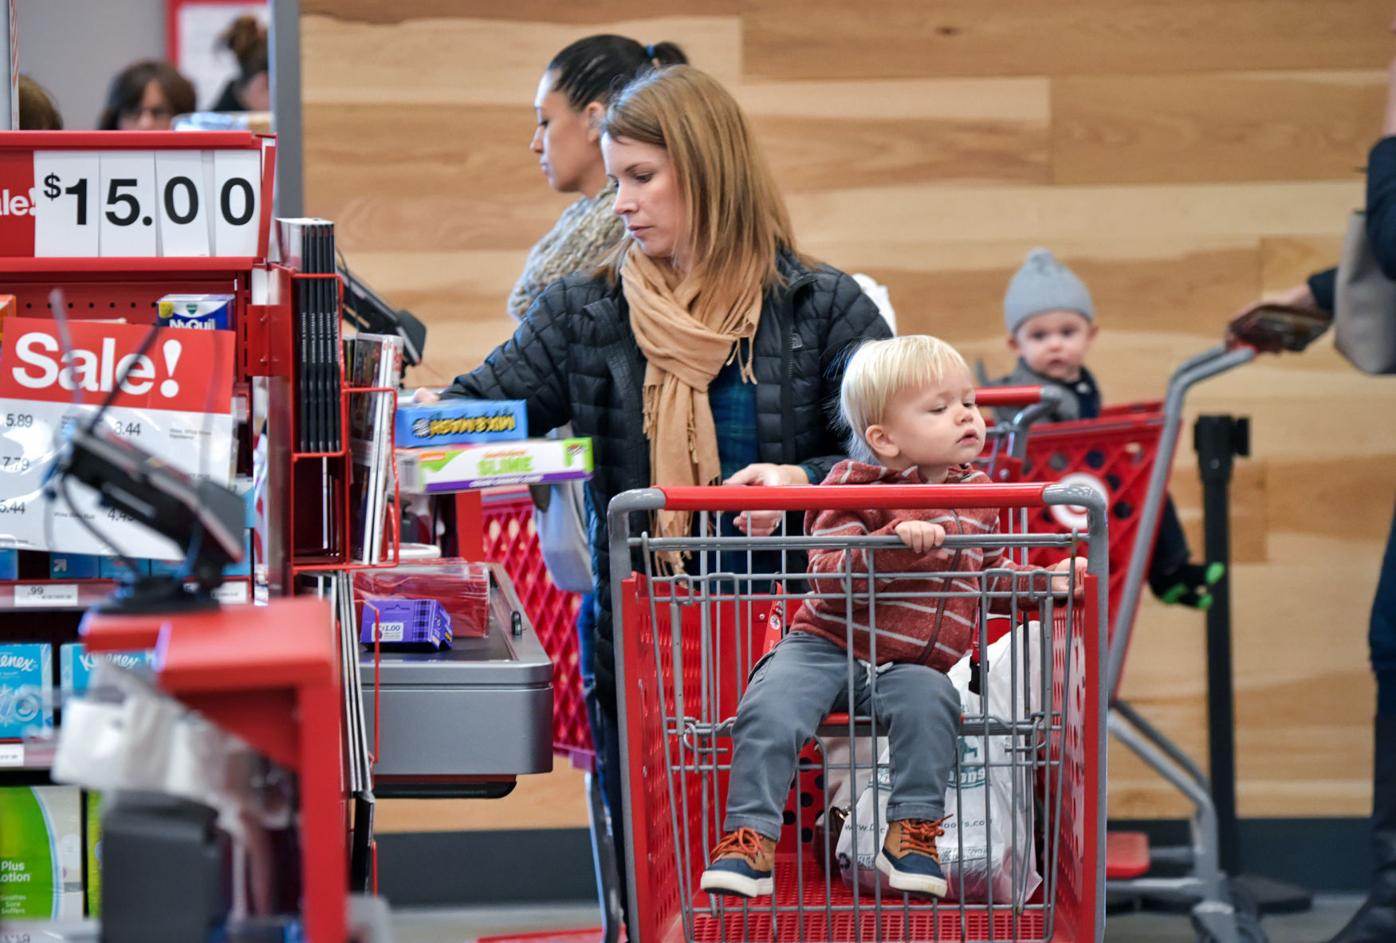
706 350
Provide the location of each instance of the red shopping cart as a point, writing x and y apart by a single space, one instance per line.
689 640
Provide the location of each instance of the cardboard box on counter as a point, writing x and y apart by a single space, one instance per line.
462 467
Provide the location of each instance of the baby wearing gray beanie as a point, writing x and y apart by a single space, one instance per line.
1044 284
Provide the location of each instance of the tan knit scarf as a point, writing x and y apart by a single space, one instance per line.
687 337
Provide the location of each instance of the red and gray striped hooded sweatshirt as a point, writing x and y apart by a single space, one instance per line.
933 631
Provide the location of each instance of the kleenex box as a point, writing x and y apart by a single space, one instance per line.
461 422
26 691
75 665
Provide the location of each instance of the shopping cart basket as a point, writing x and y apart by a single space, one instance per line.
689 640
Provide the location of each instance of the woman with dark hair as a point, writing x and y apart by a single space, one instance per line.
572 98
145 96
37 111
250 90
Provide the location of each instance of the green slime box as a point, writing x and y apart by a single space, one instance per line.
40 853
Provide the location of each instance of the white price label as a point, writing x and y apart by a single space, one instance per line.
11 754
138 204
235 178
46 594
232 594
66 203
128 204
184 228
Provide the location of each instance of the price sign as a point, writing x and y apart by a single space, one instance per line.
232 594
94 200
11 754
128 201
39 595
175 402
65 210
184 228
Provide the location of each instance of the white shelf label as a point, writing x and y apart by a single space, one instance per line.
136 204
46 594
11 754
232 594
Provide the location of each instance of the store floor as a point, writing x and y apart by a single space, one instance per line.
459 926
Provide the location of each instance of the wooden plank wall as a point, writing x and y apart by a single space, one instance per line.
1181 155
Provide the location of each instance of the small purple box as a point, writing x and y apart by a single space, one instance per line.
406 622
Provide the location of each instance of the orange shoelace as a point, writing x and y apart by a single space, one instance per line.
920 835
744 841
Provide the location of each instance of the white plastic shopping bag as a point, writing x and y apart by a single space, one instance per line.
988 845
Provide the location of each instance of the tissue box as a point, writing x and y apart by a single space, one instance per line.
111 568
40 853
461 467
9 564
406 622
26 691
460 422
203 312
75 664
73 566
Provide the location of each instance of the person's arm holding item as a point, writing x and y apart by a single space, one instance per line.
1318 290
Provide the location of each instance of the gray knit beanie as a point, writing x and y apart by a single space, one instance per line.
1044 284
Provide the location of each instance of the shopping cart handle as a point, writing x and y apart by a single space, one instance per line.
848 497
1007 396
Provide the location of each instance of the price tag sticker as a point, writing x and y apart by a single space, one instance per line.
183 193
233 594
128 204
46 594
236 176
11 754
66 203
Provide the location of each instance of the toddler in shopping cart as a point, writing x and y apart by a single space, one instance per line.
1051 326
910 403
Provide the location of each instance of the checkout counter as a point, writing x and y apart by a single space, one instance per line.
465 722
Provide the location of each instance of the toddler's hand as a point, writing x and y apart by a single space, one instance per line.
920 535
1063 584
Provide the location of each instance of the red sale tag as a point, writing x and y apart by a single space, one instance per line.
188 370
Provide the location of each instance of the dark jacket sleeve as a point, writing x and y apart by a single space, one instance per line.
530 366
1381 204
1381 221
852 318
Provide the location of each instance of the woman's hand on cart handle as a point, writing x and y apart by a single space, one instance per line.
921 536
424 395
1066 567
769 475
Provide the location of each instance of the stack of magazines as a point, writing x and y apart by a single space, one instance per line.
307 245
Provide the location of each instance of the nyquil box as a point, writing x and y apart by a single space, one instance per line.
75 665
26 691
203 312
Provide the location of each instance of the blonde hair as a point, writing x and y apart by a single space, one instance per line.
736 222
879 370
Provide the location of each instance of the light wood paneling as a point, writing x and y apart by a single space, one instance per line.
1208 127
820 39
1181 156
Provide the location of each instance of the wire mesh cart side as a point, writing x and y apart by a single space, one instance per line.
689 640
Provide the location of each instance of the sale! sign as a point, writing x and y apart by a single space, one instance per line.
84 203
172 397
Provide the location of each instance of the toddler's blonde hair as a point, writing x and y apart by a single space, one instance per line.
879 370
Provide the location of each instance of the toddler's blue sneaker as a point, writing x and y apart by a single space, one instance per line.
910 858
742 865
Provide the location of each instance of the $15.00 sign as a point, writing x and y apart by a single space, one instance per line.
175 403
130 203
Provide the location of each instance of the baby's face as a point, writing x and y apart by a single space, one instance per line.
1055 343
932 426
